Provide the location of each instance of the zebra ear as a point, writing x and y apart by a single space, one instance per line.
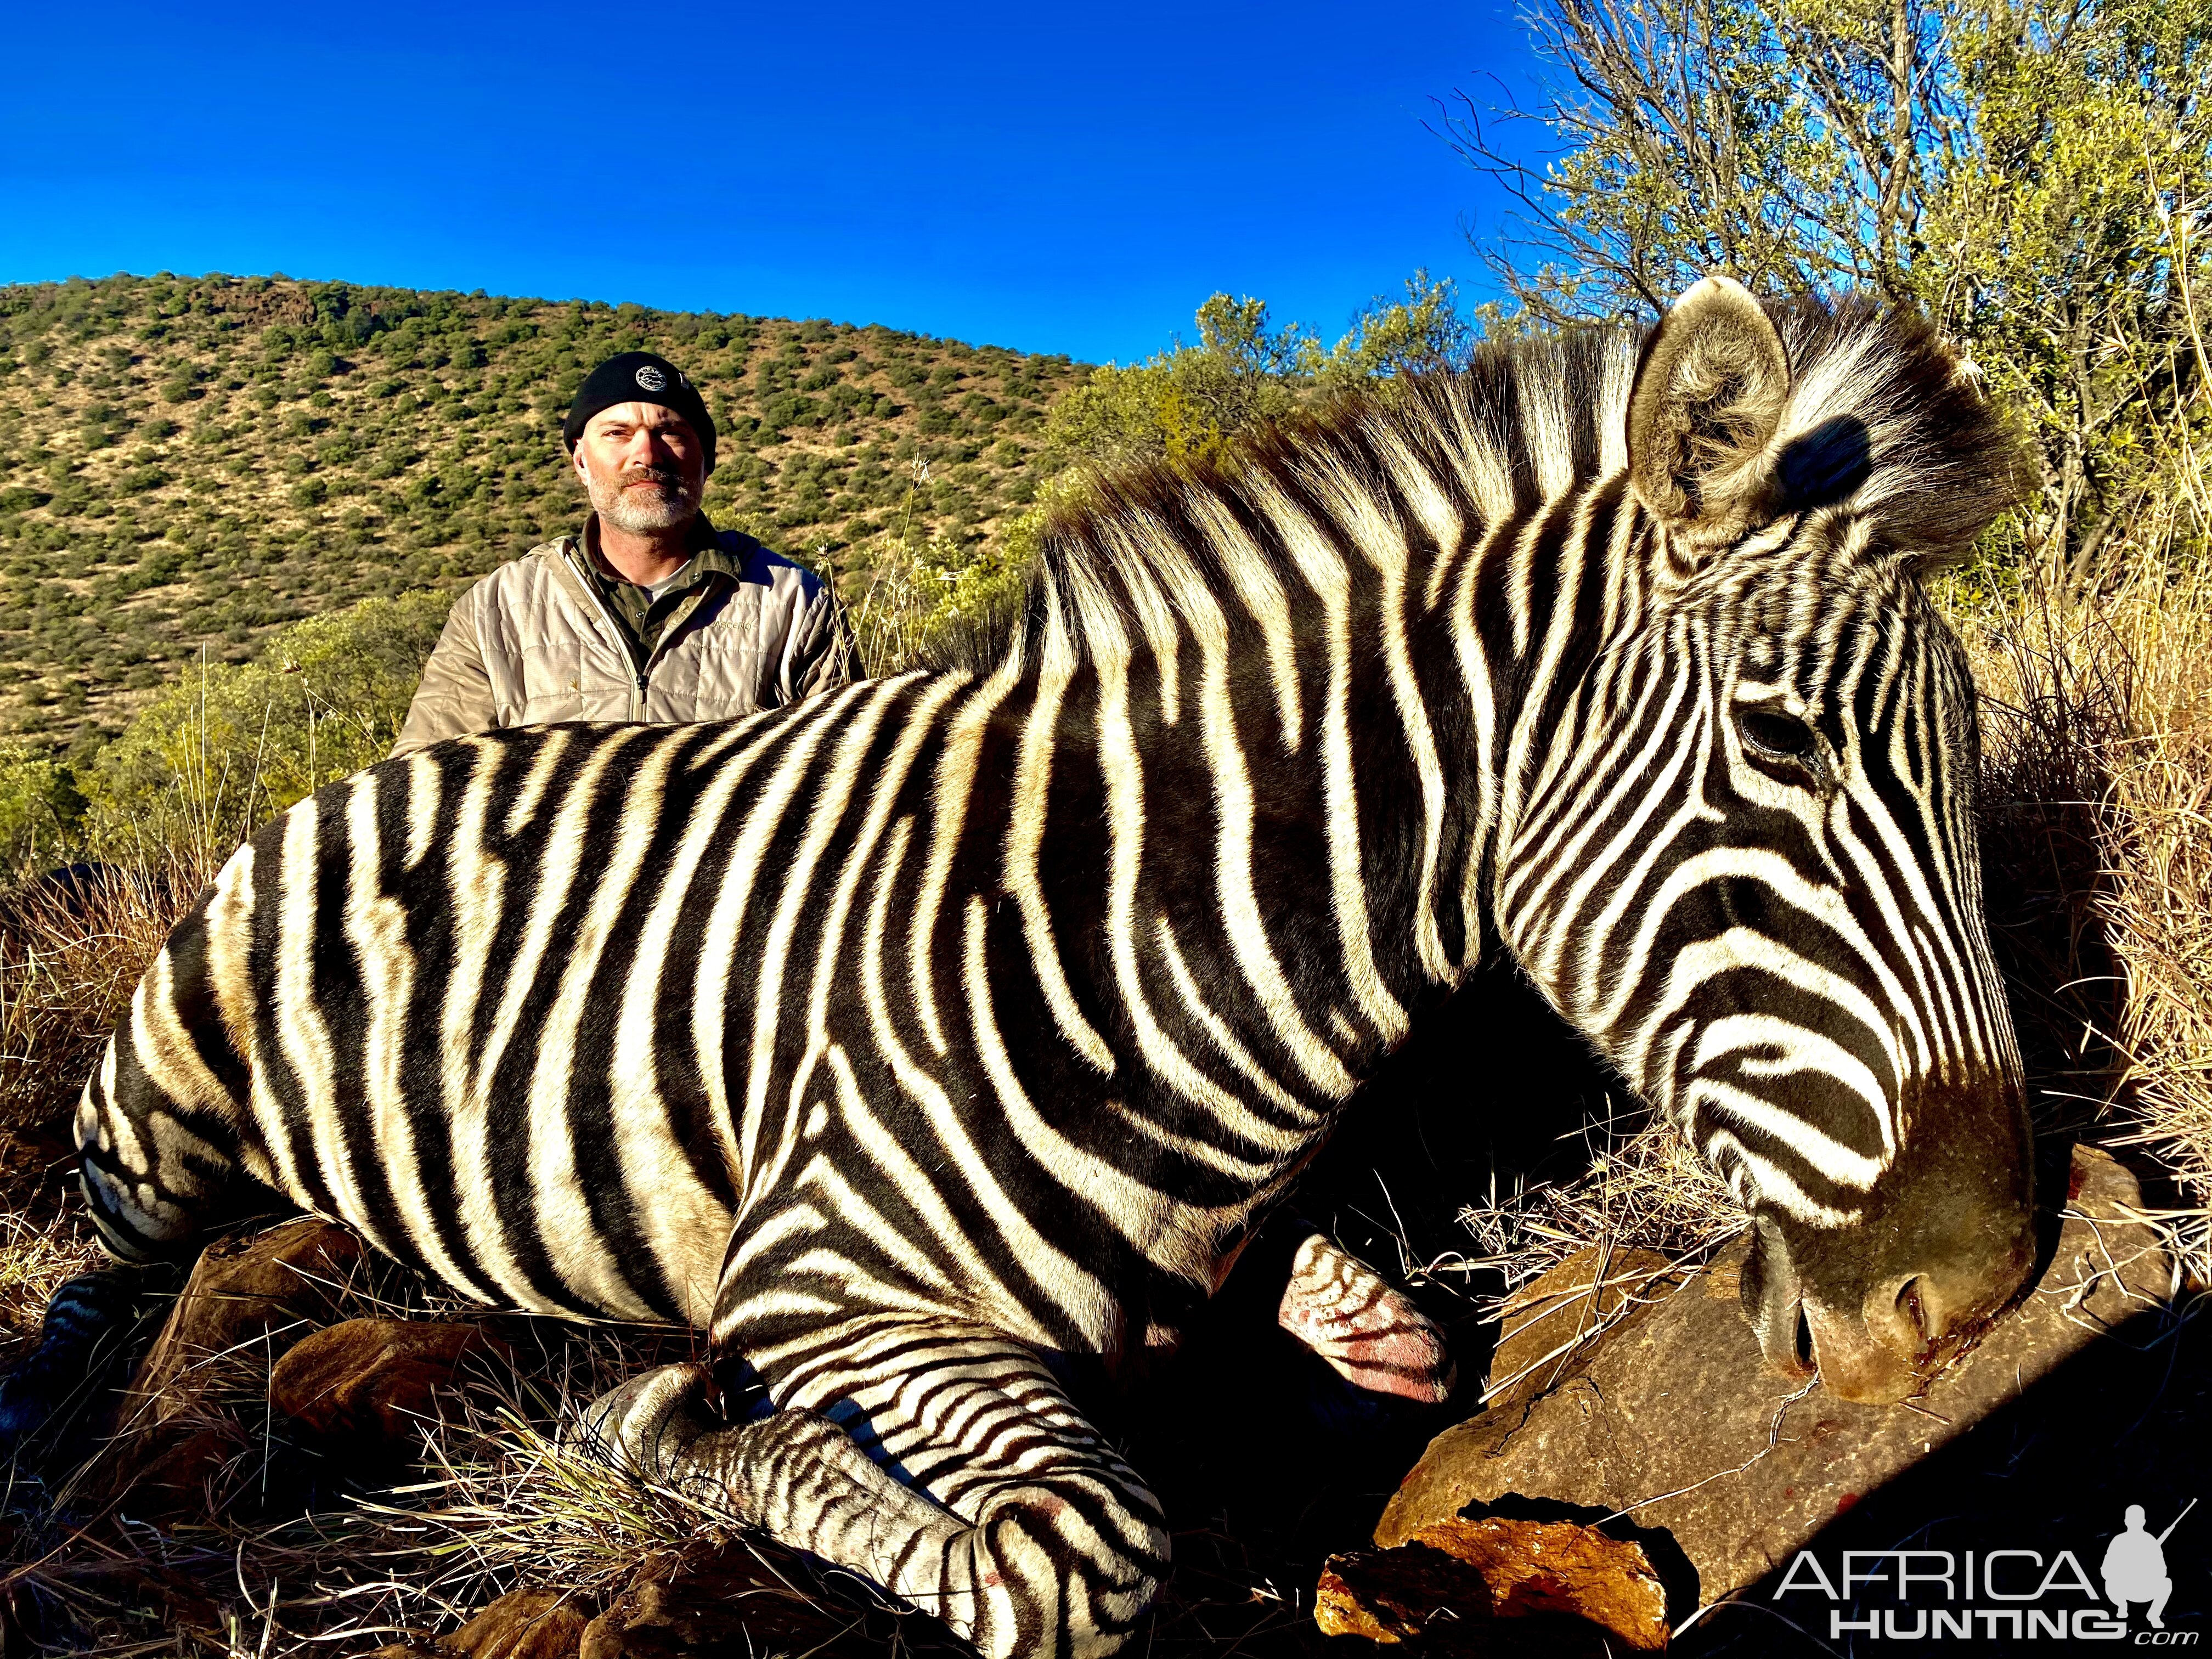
1708 399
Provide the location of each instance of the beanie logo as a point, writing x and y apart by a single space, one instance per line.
651 378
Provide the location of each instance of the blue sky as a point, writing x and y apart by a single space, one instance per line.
1067 179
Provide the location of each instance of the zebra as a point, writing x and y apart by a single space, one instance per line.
936 1044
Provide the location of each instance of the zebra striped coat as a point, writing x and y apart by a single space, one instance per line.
931 1041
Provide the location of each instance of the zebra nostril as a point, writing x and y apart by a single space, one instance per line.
1806 1355
1915 1310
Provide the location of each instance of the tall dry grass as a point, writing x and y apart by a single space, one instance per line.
2099 766
70 958
70 955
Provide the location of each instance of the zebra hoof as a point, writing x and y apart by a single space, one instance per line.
644 1426
1371 1335
79 1341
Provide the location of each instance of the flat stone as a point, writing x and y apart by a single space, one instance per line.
1496 1585
524 1624
1547 1316
377 1379
1671 1418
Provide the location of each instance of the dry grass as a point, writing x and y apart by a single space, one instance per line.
2103 706
68 962
1644 1188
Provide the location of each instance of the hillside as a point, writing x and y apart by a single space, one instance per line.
188 463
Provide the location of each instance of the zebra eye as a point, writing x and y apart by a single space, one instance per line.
1774 733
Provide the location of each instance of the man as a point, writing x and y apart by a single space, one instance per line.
2134 1567
650 614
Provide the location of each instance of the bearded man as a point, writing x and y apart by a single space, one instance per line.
650 614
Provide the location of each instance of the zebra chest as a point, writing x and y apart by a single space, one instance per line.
905 1215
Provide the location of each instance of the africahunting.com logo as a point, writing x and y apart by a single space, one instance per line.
2012 1594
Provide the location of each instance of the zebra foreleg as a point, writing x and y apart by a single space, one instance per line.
795 1474
1013 1523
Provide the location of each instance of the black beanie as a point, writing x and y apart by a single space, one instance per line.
639 377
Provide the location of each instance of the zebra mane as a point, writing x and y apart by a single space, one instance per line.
1886 420
1938 462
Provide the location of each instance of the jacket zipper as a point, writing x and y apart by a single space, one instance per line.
622 641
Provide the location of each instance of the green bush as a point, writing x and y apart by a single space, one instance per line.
1194 403
227 744
40 808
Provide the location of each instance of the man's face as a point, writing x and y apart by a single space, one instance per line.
643 467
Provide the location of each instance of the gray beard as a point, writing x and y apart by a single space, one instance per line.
669 507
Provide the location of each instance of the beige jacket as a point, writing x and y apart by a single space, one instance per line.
532 643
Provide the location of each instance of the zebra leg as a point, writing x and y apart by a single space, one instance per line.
1369 1331
1008 1515
793 1474
82 1340
157 1134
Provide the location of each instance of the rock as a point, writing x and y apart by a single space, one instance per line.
729 1606
374 1379
1545 1317
248 1297
264 1289
1498 1585
181 1467
653 1618
524 1624
1671 1418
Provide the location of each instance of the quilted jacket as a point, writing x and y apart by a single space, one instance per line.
534 642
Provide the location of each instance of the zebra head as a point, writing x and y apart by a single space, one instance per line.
1744 859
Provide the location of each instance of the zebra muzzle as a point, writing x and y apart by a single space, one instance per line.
1858 1356
1879 1338
1876 1354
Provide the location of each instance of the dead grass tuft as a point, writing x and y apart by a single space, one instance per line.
2103 725
1644 1188
70 955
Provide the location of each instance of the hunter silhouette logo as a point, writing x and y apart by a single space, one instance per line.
2134 1566
651 378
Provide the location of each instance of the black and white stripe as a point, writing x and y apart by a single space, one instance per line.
937 1040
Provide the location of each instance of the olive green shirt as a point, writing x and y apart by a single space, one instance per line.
643 612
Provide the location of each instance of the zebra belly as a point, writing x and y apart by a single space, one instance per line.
501 1198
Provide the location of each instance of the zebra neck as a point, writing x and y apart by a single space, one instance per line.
1541 597
1274 791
